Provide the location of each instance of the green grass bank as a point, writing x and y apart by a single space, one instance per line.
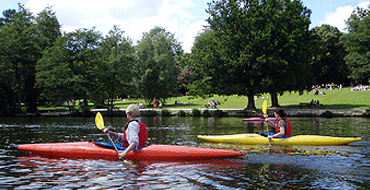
339 102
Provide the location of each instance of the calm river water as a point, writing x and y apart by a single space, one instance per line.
264 167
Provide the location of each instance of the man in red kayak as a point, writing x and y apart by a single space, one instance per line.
134 133
283 126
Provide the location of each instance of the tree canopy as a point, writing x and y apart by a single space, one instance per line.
254 47
357 44
329 64
157 53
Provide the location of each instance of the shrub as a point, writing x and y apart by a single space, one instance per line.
181 113
327 114
206 113
149 113
220 113
367 113
196 112
166 112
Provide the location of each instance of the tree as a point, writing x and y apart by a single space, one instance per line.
330 65
71 66
48 27
186 73
260 46
117 61
357 43
19 51
54 77
156 70
22 41
206 56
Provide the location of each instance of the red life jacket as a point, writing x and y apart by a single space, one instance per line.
143 134
288 128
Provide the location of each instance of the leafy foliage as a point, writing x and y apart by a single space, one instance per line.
22 40
357 44
253 47
329 65
156 70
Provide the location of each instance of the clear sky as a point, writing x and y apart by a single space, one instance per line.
184 18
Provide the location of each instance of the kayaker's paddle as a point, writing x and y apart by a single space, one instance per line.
99 121
264 111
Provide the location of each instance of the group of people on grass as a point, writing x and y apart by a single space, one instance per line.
314 103
316 88
212 104
360 88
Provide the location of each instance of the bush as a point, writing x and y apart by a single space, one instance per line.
367 113
149 113
206 113
196 112
220 113
166 112
181 113
327 114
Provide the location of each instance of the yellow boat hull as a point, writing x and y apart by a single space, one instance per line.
306 140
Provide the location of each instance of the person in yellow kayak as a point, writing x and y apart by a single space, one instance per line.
283 126
134 133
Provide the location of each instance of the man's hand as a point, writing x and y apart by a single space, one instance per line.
123 154
105 130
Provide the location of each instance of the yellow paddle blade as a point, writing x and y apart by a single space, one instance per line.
264 107
99 121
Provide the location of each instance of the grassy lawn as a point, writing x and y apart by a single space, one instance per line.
334 99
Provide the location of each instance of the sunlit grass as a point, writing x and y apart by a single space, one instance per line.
334 99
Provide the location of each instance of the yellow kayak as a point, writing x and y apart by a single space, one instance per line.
307 140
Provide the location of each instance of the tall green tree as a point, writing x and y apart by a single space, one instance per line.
186 73
117 61
19 52
206 56
156 71
289 48
357 45
7 91
23 38
258 46
329 65
48 27
54 77
71 66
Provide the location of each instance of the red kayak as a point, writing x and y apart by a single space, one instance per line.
152 152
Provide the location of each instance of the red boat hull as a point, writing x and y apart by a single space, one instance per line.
258 120
153 152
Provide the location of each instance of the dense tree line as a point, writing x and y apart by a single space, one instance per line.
250 47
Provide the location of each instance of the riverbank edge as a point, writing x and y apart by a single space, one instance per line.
212 112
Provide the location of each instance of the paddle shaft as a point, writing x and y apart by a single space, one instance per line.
267 125
115 147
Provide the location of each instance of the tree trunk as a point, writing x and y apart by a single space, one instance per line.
274 100
251 105
19 92
31 94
